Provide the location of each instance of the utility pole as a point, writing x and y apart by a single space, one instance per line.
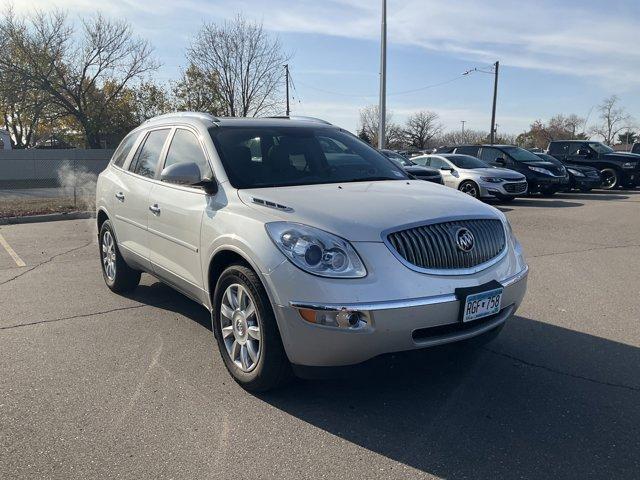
286 76
496 67
382 108
463 122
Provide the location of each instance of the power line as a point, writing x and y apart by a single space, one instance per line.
403 92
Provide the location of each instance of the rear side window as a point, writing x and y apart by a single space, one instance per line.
558 148
148 155
122 152
185 148
468 150
437 163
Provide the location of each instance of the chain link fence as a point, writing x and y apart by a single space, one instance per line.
36 182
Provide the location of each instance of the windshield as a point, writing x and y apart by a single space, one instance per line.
255 157
601 147
521 155
466 161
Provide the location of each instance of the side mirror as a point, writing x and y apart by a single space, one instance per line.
501 161
181 174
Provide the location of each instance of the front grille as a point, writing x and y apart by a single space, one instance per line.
434 247
515 187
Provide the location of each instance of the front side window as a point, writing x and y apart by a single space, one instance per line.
573 147
123 150
185 148
148 156
438 163
467 162
521 155
422 160
490 155
298 156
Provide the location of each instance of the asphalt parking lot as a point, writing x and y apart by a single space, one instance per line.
95 385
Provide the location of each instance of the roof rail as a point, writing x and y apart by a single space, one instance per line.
298 117
200 115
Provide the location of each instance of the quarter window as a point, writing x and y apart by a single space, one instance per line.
123 150
437 163
185 148
148 156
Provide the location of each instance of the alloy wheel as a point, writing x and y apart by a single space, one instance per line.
109 256
240 327
469 189
609 178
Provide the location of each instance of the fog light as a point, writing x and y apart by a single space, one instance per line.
331 318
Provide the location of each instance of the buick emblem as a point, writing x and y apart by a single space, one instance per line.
465 240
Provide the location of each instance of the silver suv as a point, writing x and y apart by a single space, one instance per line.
308 246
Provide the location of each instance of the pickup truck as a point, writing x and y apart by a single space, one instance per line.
616 168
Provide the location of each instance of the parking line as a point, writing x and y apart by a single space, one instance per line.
12 252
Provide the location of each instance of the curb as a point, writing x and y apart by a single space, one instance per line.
51 217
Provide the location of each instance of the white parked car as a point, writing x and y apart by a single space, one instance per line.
305 254
475 177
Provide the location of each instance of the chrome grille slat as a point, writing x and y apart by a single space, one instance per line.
433 246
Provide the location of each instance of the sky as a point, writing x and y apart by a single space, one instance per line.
555 56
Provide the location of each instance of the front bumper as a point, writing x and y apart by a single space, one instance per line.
392 326
631 178
547 183
585 182
505 189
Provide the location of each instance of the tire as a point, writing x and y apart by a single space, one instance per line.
118 276
610 178
470 188
259 361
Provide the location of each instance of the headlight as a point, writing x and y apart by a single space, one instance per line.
544 171
575 172
629 165
491 179
316 251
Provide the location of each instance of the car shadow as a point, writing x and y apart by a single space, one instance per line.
164 297
590 196
540 401
542 202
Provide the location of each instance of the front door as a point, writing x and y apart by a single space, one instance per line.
176 217
132 198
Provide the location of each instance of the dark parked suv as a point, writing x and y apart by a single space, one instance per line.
542 176
616 168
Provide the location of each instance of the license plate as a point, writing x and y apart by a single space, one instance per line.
483 304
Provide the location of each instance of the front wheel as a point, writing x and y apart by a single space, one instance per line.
610 178
118 276
246 331
470 188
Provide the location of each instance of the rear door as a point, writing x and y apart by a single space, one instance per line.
174 223
447 175
132 197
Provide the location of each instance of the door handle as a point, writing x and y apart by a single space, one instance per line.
155 209
120 196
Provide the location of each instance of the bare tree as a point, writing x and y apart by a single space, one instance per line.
613 119
246 62
82 75
456 137
370 127
422 127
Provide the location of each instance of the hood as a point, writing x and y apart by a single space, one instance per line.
419 170
362 211
623 156
555 168
497 172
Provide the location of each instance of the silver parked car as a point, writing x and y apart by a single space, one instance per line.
308 247
475 177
